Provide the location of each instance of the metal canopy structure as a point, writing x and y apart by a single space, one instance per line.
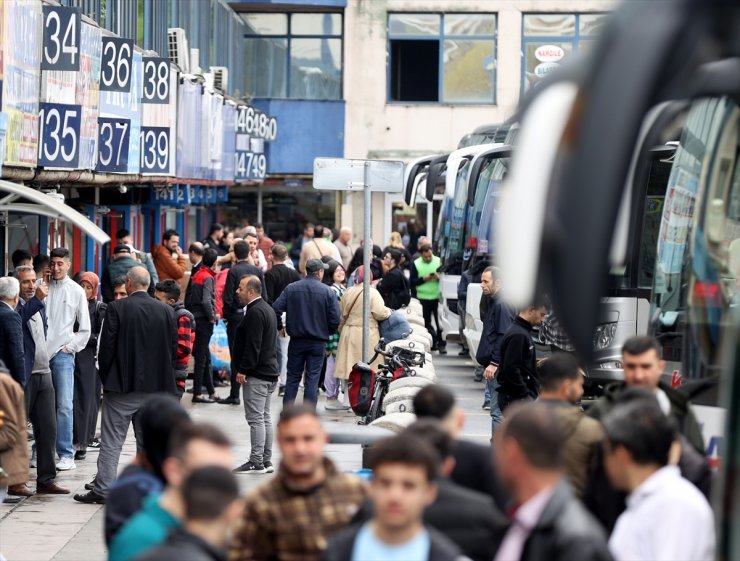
36 202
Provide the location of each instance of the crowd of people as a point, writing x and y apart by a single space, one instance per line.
626 479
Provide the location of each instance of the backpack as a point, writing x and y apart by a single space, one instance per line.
395 327
361 383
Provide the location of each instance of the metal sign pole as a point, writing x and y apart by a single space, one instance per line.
367 251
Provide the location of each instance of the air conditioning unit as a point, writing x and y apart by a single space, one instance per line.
177 47
220 78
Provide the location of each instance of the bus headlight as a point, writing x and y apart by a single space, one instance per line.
604 335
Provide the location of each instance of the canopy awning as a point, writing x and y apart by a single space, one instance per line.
36 202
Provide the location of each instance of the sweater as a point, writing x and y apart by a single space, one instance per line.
65 305
517 374
255 344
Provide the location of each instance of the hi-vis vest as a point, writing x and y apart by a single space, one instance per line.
428 290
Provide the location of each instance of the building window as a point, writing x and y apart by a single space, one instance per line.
442 58
549 39
294 55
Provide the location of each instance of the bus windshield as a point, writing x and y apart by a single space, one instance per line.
478 227
452 258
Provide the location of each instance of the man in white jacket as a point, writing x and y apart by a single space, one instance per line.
66 306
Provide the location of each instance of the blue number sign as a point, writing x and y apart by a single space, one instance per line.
113 141
59 135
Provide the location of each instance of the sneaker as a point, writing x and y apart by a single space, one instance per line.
335 405
464 352
269 468
94 446
249 467
281 391
228 401
90 486
66 464
487 405
203 399
32 463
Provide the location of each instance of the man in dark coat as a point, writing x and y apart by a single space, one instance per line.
233 311
138 350
11 330
255 353
550 523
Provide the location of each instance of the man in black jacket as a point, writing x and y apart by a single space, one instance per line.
276 279
549 522
312 315
393 287
138 349
468 518
497 317
403 485
517 373
233 311
11 330
254 350
473 467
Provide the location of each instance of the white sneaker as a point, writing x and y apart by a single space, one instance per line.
66 464
335 405
33 458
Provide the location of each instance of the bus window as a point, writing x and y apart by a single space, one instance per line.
452 257
653 210
716 251
671 277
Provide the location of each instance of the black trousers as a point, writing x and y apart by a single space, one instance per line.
429 309
41 405
86 398
231 325
203 371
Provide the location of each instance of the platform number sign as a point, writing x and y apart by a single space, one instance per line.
59 135
256 124
115 65
113 144
155 149
250 166
156 80
61 47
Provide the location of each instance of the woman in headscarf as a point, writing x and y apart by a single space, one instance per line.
87 382
350 326
335 278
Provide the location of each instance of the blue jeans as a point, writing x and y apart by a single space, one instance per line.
497 416
309 355
63 378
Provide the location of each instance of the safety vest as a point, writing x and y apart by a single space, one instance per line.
428 290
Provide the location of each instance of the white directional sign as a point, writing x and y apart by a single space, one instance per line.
337 174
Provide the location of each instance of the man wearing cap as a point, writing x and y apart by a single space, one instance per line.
119 265
312 315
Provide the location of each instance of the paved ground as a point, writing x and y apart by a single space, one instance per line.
56 527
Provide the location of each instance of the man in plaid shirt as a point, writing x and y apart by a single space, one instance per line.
292 517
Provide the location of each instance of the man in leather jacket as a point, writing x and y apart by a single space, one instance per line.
548 523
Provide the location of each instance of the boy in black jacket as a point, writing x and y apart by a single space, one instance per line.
517 373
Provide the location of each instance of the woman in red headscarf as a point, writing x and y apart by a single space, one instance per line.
87 382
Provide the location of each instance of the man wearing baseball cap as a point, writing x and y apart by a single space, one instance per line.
312 314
